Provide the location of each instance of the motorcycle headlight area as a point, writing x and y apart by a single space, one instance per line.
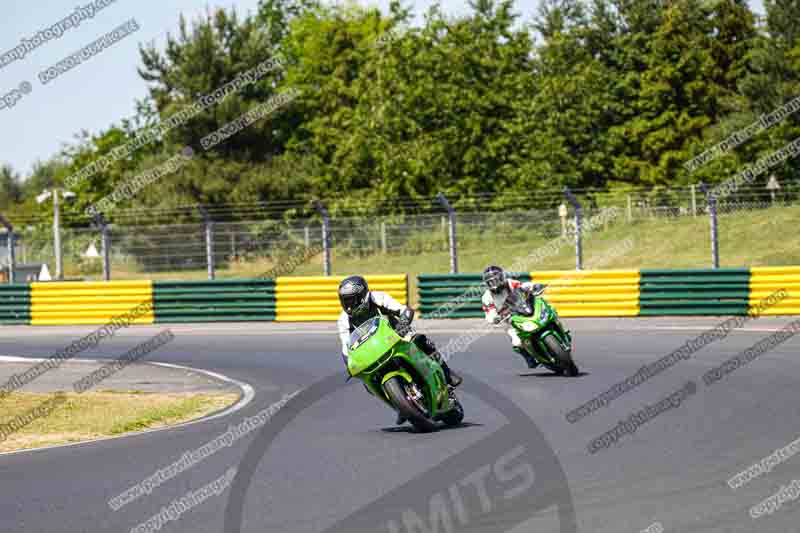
361 340
528 326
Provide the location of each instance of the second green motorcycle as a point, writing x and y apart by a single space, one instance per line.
543 336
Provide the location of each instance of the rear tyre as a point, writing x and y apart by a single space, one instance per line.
561 355
407 403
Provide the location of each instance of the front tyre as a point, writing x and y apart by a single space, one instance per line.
408 401
561 355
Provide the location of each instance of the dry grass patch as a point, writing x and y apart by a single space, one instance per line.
93 415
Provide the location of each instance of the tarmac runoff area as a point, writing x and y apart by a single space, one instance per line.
140 377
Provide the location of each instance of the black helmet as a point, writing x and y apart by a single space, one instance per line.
354 295
494 278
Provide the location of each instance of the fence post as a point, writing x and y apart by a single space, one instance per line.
712 212
694 200
10 242
562 214
105 245
307 237
630 209
57 236
383 236
451 214
578 229
209 226
326 237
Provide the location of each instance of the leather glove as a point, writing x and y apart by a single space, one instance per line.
403 327
538 289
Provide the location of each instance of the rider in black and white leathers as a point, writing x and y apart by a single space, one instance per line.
494 302
359 304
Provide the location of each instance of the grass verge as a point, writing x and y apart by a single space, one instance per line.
92 415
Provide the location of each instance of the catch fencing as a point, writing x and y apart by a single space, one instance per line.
242 241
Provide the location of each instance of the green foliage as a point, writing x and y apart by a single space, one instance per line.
605 94
10 188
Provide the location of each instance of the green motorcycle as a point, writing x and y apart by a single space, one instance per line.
396 371
543 336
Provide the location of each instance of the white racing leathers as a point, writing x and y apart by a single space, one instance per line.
494 305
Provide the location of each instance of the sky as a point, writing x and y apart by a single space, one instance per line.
102 90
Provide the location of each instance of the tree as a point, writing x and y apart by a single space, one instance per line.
10 189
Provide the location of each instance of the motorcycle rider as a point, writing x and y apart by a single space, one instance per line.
359 304
494 301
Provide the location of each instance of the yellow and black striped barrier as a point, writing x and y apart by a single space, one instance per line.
572 293
57 303
645 292
765 281
594 293
304 299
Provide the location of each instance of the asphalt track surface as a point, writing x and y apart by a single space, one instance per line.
341 454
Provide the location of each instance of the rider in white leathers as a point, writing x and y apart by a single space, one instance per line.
494 302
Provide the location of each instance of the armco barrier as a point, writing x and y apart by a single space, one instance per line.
300 299
15 304
766 280
573 293
723 291
214 301
56 303
726 291
591 292
648 292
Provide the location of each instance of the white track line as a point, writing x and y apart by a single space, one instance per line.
248 394
14 359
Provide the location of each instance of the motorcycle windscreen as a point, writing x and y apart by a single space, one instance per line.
368 343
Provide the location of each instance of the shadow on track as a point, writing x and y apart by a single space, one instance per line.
410 429
548 374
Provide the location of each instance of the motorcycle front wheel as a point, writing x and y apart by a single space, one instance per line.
409 402
561 355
